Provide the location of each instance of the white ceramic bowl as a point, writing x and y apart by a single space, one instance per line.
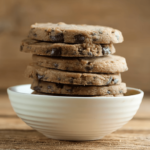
74 118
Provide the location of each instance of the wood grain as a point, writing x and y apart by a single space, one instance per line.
131 17
33 140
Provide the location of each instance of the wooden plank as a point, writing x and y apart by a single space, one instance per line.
137 125
33 140
13 123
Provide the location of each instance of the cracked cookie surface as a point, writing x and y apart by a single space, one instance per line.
54 88
66 50
70 33
108 64
63 77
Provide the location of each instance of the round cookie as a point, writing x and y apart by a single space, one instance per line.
58 76
70 33
66 50
108 64
54 88
34 92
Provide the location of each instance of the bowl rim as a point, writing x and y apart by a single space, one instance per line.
10 90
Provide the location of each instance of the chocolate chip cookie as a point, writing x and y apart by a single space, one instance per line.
34 92
108 64
54 88
58 76
66 50
70 33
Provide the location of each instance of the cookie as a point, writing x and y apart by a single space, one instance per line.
66 50
108 64
58 76
70 33
54 88
34 92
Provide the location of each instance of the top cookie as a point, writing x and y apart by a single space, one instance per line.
70 33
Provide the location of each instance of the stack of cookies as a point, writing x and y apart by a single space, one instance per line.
74 60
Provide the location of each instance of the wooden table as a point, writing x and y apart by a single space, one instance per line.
15 134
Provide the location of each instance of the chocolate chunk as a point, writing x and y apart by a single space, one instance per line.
80 50
93 34
49 87
95 39
88 68
109 81
59 79
90 53
105 50
56 52
97 52
37 88
55 65
89 83
89 63
69 90
21 47
71 80
39 76
35 34
57 38
94 78
115 81
59 86
120 91
79 38
47 32
47 51
108 92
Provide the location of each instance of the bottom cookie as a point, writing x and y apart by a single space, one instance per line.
34 92
54 88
